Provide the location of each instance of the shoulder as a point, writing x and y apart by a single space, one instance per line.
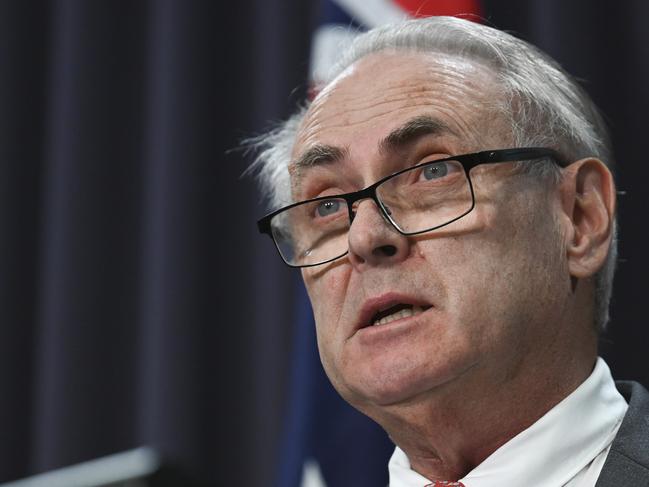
628 460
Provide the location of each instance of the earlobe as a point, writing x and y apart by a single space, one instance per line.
588 197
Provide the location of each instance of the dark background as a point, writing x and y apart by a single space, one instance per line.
138 305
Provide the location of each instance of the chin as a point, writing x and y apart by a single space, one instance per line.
393 379
385 385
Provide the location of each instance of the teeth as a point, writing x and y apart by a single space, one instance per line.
404 313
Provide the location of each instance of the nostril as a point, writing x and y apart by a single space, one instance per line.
386 250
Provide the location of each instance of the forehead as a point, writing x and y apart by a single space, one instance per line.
381 91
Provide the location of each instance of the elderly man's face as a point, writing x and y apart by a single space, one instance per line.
483 295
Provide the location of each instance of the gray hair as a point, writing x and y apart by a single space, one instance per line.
546 107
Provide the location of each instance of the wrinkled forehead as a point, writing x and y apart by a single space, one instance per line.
384 81
378 92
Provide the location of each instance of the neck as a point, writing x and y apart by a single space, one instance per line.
447 432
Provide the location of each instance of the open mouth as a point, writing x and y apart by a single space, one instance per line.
396 312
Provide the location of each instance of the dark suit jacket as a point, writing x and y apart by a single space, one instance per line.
627 463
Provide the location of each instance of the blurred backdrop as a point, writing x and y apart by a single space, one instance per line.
138 305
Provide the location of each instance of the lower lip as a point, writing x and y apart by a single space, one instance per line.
374 333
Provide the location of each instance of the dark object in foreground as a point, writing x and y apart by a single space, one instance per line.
142 467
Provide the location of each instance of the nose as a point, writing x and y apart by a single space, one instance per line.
373 241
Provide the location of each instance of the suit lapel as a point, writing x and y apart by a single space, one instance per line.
627 463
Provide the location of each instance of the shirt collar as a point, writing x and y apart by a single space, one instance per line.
544 454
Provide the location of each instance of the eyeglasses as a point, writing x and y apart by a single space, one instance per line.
415 200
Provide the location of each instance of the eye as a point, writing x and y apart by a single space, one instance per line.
435 171
327 207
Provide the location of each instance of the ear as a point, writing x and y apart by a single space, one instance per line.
588 200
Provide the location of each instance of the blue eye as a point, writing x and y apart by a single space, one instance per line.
328 207
435 171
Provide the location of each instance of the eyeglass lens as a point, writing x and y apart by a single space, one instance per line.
415 201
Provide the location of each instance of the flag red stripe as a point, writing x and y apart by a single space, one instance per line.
426 8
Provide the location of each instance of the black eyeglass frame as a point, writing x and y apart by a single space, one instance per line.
468 161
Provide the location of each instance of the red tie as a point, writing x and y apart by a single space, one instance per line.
445 483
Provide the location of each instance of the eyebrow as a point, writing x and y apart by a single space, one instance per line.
412 130
400 137
320 154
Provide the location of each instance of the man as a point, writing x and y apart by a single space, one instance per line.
449 200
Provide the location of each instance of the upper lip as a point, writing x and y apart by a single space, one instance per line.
377 304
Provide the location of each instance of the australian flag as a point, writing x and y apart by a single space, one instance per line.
327 443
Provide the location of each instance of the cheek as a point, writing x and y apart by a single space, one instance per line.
327 292
506 273
474 280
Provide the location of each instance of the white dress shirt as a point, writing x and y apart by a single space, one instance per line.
565 448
